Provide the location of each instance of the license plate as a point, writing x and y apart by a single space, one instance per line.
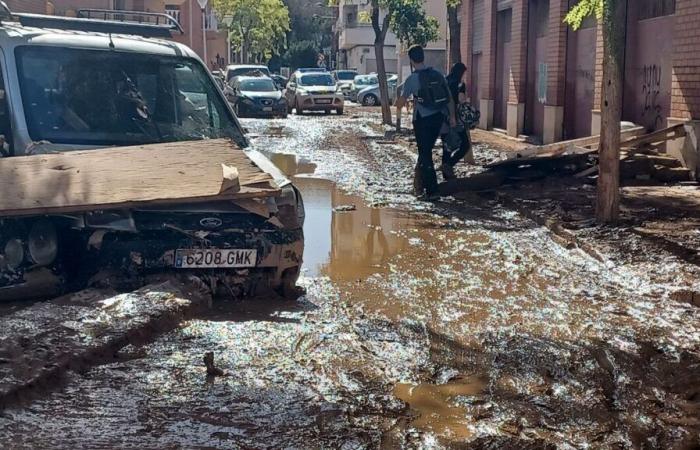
214 258
267 108
323 101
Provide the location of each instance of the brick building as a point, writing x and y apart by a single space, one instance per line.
187 12
532 75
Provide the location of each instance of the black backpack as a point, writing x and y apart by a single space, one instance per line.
433 92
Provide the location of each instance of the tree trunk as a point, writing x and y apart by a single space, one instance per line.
608 203
383 85
454 36
380 31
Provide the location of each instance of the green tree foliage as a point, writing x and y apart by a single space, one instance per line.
583 9
259 27
409 22
301 54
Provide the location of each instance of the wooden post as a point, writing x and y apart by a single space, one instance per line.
614 25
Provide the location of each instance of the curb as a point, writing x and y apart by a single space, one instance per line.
39 344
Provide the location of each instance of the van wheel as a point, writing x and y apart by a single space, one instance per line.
339 111
327 111
297 110
370 100
289 289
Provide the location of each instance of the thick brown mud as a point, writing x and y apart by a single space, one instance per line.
459 324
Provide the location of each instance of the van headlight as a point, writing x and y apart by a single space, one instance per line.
290 207
43 243
14 253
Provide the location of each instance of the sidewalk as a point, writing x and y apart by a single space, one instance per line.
658 223
38 344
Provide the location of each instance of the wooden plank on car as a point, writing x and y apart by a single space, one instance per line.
123 177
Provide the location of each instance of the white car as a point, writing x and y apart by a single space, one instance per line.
314 91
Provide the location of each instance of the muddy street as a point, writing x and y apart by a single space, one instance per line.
458 324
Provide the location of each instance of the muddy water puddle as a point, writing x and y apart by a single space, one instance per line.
437 408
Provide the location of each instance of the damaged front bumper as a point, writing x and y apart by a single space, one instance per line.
121 247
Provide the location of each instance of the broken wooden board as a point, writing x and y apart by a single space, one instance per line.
656 137
124 177
562 147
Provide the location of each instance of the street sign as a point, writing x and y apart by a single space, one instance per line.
202 3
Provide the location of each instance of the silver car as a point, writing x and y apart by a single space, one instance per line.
369 96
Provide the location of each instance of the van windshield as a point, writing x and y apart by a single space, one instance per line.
95 97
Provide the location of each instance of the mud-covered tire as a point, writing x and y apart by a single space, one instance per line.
288 288
370 100
327 111
340 111
297 110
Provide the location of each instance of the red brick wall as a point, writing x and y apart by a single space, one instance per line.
685 80
518 66
28 6
488 62
556 53
465 44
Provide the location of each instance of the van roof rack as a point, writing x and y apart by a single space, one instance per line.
147 24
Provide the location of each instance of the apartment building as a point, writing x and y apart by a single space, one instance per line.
356 40
532 75
210 45
435 51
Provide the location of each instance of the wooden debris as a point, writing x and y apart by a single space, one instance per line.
562 147
656 137
123 177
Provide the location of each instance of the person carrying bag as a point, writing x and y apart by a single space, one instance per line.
456 141
433 106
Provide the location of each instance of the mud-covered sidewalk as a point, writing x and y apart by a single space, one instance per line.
458 324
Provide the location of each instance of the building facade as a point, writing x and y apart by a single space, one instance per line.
532 75
356 40
435 51
202 31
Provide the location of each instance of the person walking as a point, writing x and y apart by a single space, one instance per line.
432 105
450 157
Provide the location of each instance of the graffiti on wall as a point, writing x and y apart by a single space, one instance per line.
651 92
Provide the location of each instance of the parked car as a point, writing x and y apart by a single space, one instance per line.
66 88
344 78
369 96
360 82
311 69
235 70
280 81
257 97
313 91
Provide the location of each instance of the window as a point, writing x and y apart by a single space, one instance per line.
92 97
649 9
316 80
258 85
211 22
5 121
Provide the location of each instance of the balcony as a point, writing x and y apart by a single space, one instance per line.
352 37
